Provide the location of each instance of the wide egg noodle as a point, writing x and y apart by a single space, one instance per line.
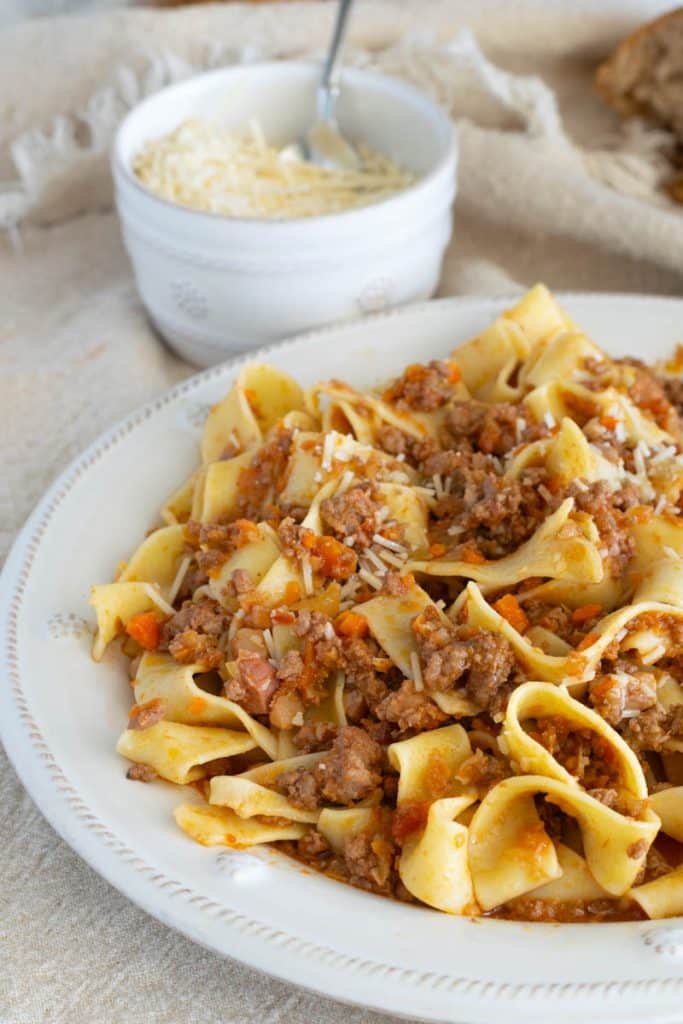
218 489
256 557
567 456
575 885
219 826
510 853
433 865
655 571
115 605
389 618
578 667
178 752
409 509
250 794
557 398
493 354
415 758
248 800
331 707
306 472
376 409
662 897
610 593
558 548
339 824
558 357
346 418
662 583
156 560
160 677
286 572
260 397
668 806
543 700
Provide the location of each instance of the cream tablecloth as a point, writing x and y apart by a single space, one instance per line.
550 189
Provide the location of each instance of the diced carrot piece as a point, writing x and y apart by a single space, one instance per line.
351 624
586 612
292 592
588 641
512 611
338 561
610 422
145 627
437 550
472 556
454 374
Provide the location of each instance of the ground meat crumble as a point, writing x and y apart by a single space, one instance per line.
483 660
193 633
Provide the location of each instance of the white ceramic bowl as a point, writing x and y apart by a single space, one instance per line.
216 285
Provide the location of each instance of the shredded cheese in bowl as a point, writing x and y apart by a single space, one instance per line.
206 167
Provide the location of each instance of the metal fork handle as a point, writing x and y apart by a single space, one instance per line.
328 90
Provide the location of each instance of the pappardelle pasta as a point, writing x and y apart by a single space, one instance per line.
429 638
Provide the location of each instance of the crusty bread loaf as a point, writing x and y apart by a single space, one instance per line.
645 73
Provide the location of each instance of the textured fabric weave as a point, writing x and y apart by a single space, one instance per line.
549 188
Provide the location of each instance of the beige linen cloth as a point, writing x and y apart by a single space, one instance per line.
549 188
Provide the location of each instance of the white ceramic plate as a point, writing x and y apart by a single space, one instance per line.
60 715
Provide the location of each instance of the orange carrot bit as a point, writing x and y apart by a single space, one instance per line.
512 611
454 374
437 550
610 422
197 705
292 592
472 556
337 560
588 641
145 627
351 624
586 612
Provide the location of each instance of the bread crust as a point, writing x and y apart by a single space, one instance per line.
617 77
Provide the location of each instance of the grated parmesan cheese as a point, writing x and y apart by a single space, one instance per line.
416 670
178 579
307 575
204 166
392 545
